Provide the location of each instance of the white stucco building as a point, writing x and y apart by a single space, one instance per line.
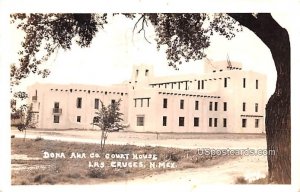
224 98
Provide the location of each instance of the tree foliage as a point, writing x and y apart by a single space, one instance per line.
50 32
26 115
186 36
106 118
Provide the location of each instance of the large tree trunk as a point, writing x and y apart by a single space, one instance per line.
278 114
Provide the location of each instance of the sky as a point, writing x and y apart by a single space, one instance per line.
117 47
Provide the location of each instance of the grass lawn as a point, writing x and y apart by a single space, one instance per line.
89 166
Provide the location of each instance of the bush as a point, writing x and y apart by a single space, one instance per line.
38 139
241 180
39 178
96 173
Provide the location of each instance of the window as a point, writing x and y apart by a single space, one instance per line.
146 72
181 121
134 102
136 73
224 122
210 106
216 106
113 101
216 122
78 119
196 121
196 105
181 103
256 107
95 120
256 123
141 102
79 102
148 102
56 105
178 85
256 84
140 120
202 84
96 105
165 103
225 82
244 82
244 106
225 106
164 120
198 84
56 119
244 122
210 122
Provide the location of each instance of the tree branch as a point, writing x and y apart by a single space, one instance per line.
144 21
263 25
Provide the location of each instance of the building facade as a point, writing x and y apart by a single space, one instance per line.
223 99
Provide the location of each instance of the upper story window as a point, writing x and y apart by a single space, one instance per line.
256 107
225 82
210 106
244 82
146 72
244 106
181 103
96 105
165 103
196 105
56 105
216 106
256 84
79 102
225 106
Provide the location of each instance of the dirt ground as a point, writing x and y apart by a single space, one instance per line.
251 167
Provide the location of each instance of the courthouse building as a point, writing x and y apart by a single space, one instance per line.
224 98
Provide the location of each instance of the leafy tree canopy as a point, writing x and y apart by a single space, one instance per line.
185 35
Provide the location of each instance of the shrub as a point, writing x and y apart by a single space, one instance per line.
96 173
241 180
38 138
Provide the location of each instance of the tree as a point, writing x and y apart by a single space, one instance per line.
186 36
26 120
107 118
